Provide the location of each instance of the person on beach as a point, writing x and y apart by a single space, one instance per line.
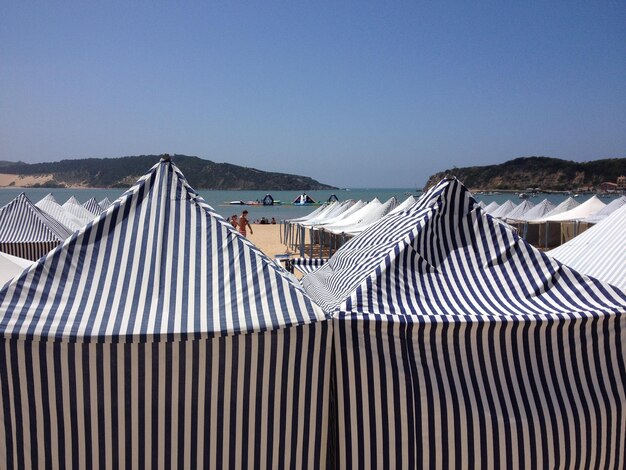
243 222
234 221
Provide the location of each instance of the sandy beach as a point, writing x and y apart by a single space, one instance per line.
267 239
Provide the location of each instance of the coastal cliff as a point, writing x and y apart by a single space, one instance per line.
123 172
547 174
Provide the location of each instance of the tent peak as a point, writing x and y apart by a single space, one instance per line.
166 157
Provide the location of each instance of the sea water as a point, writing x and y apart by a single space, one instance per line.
220 200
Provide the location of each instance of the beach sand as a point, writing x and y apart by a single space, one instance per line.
267 239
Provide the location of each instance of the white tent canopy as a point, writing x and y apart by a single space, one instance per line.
582 211
502 211
491 207
600 251
518 212
334 210
538 211
404 205
343 216
74 207
49 205
369 214
606 211
105 203
11 266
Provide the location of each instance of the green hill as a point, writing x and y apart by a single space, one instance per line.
123 172
548 174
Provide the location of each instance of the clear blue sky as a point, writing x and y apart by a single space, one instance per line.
355 94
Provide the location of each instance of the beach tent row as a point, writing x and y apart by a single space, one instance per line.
436 338
457 344
546 225
210 356
31 230
329 228
28 232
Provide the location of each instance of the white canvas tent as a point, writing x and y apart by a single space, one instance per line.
491 207
11 266
158 337
502 211
74 207
606 211
568 220
105 203
600 251
50 206
518 211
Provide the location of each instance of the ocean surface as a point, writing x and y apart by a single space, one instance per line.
219 200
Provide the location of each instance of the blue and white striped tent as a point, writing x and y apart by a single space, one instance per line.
158 337
28 232
457 344
92 206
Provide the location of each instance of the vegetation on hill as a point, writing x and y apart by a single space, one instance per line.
548 174
123 172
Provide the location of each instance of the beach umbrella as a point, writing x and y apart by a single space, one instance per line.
457 344
28 232
158 336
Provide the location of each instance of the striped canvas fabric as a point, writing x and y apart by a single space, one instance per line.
158 337
92 206
28 232
458 345
307 265
105 203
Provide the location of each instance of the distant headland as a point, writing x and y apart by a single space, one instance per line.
541 173
124 172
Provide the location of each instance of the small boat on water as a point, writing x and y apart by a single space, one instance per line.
237 203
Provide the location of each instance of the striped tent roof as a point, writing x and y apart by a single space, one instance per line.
158 337
92 206
201 261
458 344
22 221
50 206
74 207
105 203
364 262
600 251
